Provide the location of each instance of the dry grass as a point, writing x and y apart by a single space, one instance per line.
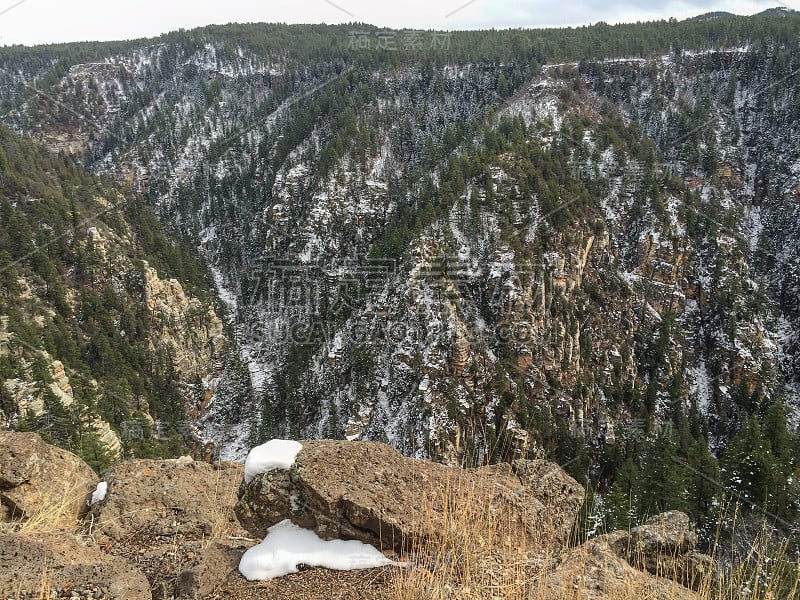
469 551
467 554
221 497
57 513
763 568
45 587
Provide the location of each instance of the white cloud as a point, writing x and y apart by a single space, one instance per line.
46 21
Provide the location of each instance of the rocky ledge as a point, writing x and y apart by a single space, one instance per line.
178 528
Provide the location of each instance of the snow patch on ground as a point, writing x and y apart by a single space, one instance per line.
275 454
99 494
287 546
260 371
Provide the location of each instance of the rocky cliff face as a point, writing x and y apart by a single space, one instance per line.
28 400
95 342
184 328
498 315
460 258
190 327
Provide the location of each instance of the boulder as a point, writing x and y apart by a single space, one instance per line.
33 564
158 499
594 571
42 482
208 571
174 518
370 492
664 546
667 534
559 493
655 560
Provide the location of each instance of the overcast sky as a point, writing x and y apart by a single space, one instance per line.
46 21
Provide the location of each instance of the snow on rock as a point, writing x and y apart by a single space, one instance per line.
702 386
99 494
287 546
275 454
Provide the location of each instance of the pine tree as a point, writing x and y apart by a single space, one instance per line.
94 453
661 484
9 285
750 470
703 481
621 504
776 433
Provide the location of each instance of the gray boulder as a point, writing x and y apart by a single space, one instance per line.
595 571
167 498
370 492
43 482
665 546
59 561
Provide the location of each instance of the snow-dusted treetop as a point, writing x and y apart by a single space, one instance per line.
275 454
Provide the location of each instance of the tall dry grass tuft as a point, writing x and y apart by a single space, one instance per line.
45 586
56 514
759 561
466 552
222 497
